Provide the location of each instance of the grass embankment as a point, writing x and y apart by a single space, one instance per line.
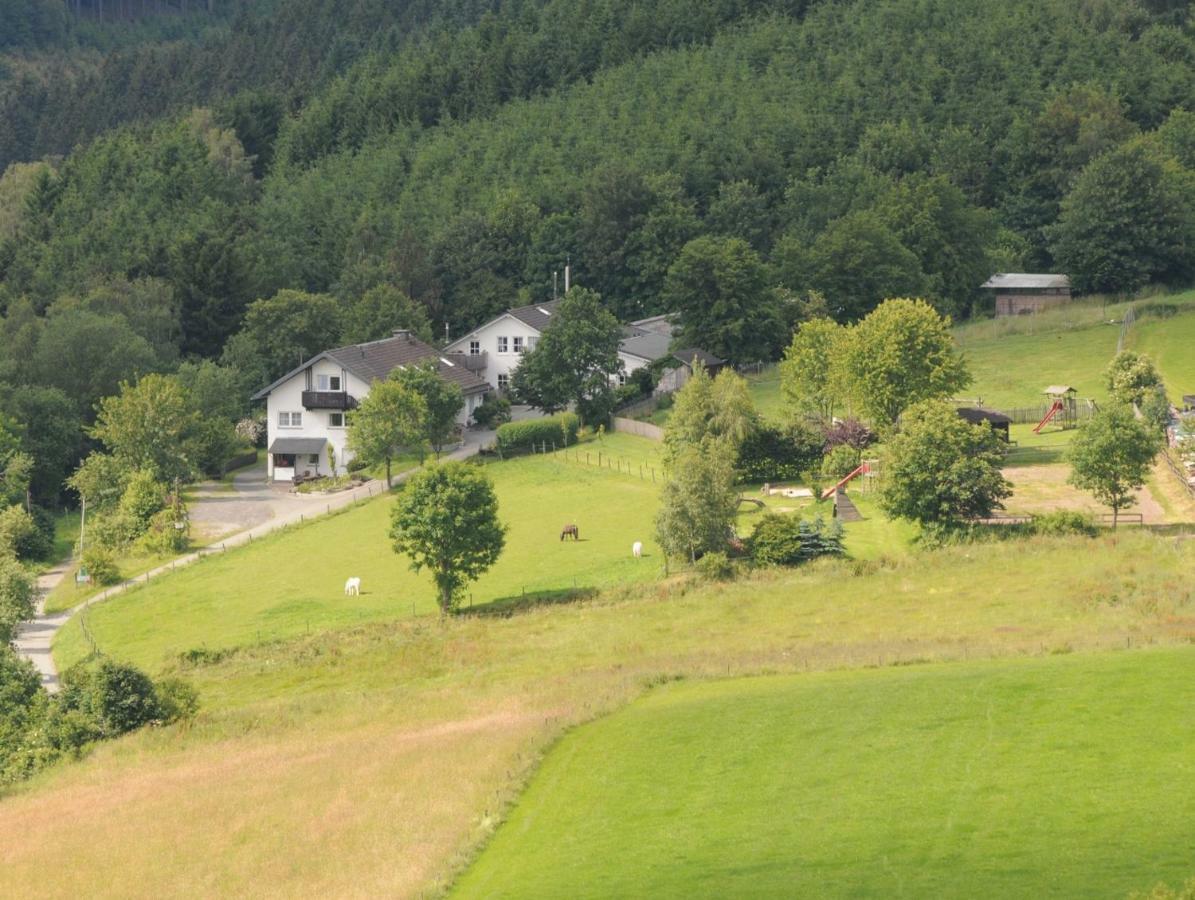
367 762
1045 777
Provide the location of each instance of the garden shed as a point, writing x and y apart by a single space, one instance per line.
977 415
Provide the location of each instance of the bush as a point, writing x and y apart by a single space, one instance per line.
493 411
715 566
786 540
769 453
840 462
110 531
20 536
115 697
163 536
849 432
100 563
143 497
177 700
16 597
1060 523
558 430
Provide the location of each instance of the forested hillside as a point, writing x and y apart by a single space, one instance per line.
248 183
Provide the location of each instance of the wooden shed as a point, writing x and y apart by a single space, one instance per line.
977 415
1024 293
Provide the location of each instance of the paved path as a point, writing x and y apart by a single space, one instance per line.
261 506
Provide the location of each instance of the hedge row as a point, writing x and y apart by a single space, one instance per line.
558 430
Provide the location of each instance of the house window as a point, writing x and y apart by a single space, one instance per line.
518 345
313 458
475 348
503 345
503 381
622 379
290 420
327 382
336 420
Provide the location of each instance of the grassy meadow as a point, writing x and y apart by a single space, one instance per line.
299 574
1171 344
376 759
1061 776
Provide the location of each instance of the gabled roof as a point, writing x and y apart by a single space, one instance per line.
662 324
649 345
537 315
1015 280
690 356
377 359
977 414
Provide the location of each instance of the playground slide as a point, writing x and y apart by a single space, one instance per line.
1054 410
830 492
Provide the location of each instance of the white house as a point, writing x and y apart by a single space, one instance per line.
307 407
494 349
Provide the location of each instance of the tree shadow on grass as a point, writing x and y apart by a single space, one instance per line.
504 607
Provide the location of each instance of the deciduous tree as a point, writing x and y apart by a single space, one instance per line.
940 470
446 520
391 418
1112 455
900 354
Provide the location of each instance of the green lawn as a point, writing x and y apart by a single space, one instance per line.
1170 343
1051 777
1048 448
765 391
1011 370
298 576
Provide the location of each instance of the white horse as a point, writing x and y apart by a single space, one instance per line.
637 549
352 587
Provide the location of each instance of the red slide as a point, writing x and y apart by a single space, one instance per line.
1054 410
830 492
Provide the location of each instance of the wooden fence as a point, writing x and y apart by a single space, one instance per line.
1179 470
1031 415
589 456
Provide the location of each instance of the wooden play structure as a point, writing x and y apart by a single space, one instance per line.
1064 408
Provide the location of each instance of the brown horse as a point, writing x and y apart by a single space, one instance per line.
570 531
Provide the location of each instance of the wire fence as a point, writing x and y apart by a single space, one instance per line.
1130 317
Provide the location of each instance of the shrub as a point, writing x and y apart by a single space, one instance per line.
715 566
251 431
553 430
493 411
665 401
769 453
143 496
110 531
1063 522
850 432
16 597
117 698
100 563
19 534
785 540
177 700
840 462
163 536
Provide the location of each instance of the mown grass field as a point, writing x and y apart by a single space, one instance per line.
1047 777
1171 344
374 760
298 575
298 580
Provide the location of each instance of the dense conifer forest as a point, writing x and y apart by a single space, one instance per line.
243 183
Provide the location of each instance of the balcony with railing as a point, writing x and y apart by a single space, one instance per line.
473 362
328 400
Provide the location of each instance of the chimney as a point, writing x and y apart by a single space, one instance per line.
568 278
402 333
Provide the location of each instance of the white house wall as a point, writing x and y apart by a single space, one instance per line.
498 364
317 423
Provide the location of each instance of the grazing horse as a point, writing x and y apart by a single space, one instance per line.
570 531
352 587
637 549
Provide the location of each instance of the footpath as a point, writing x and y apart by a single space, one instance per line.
35 638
